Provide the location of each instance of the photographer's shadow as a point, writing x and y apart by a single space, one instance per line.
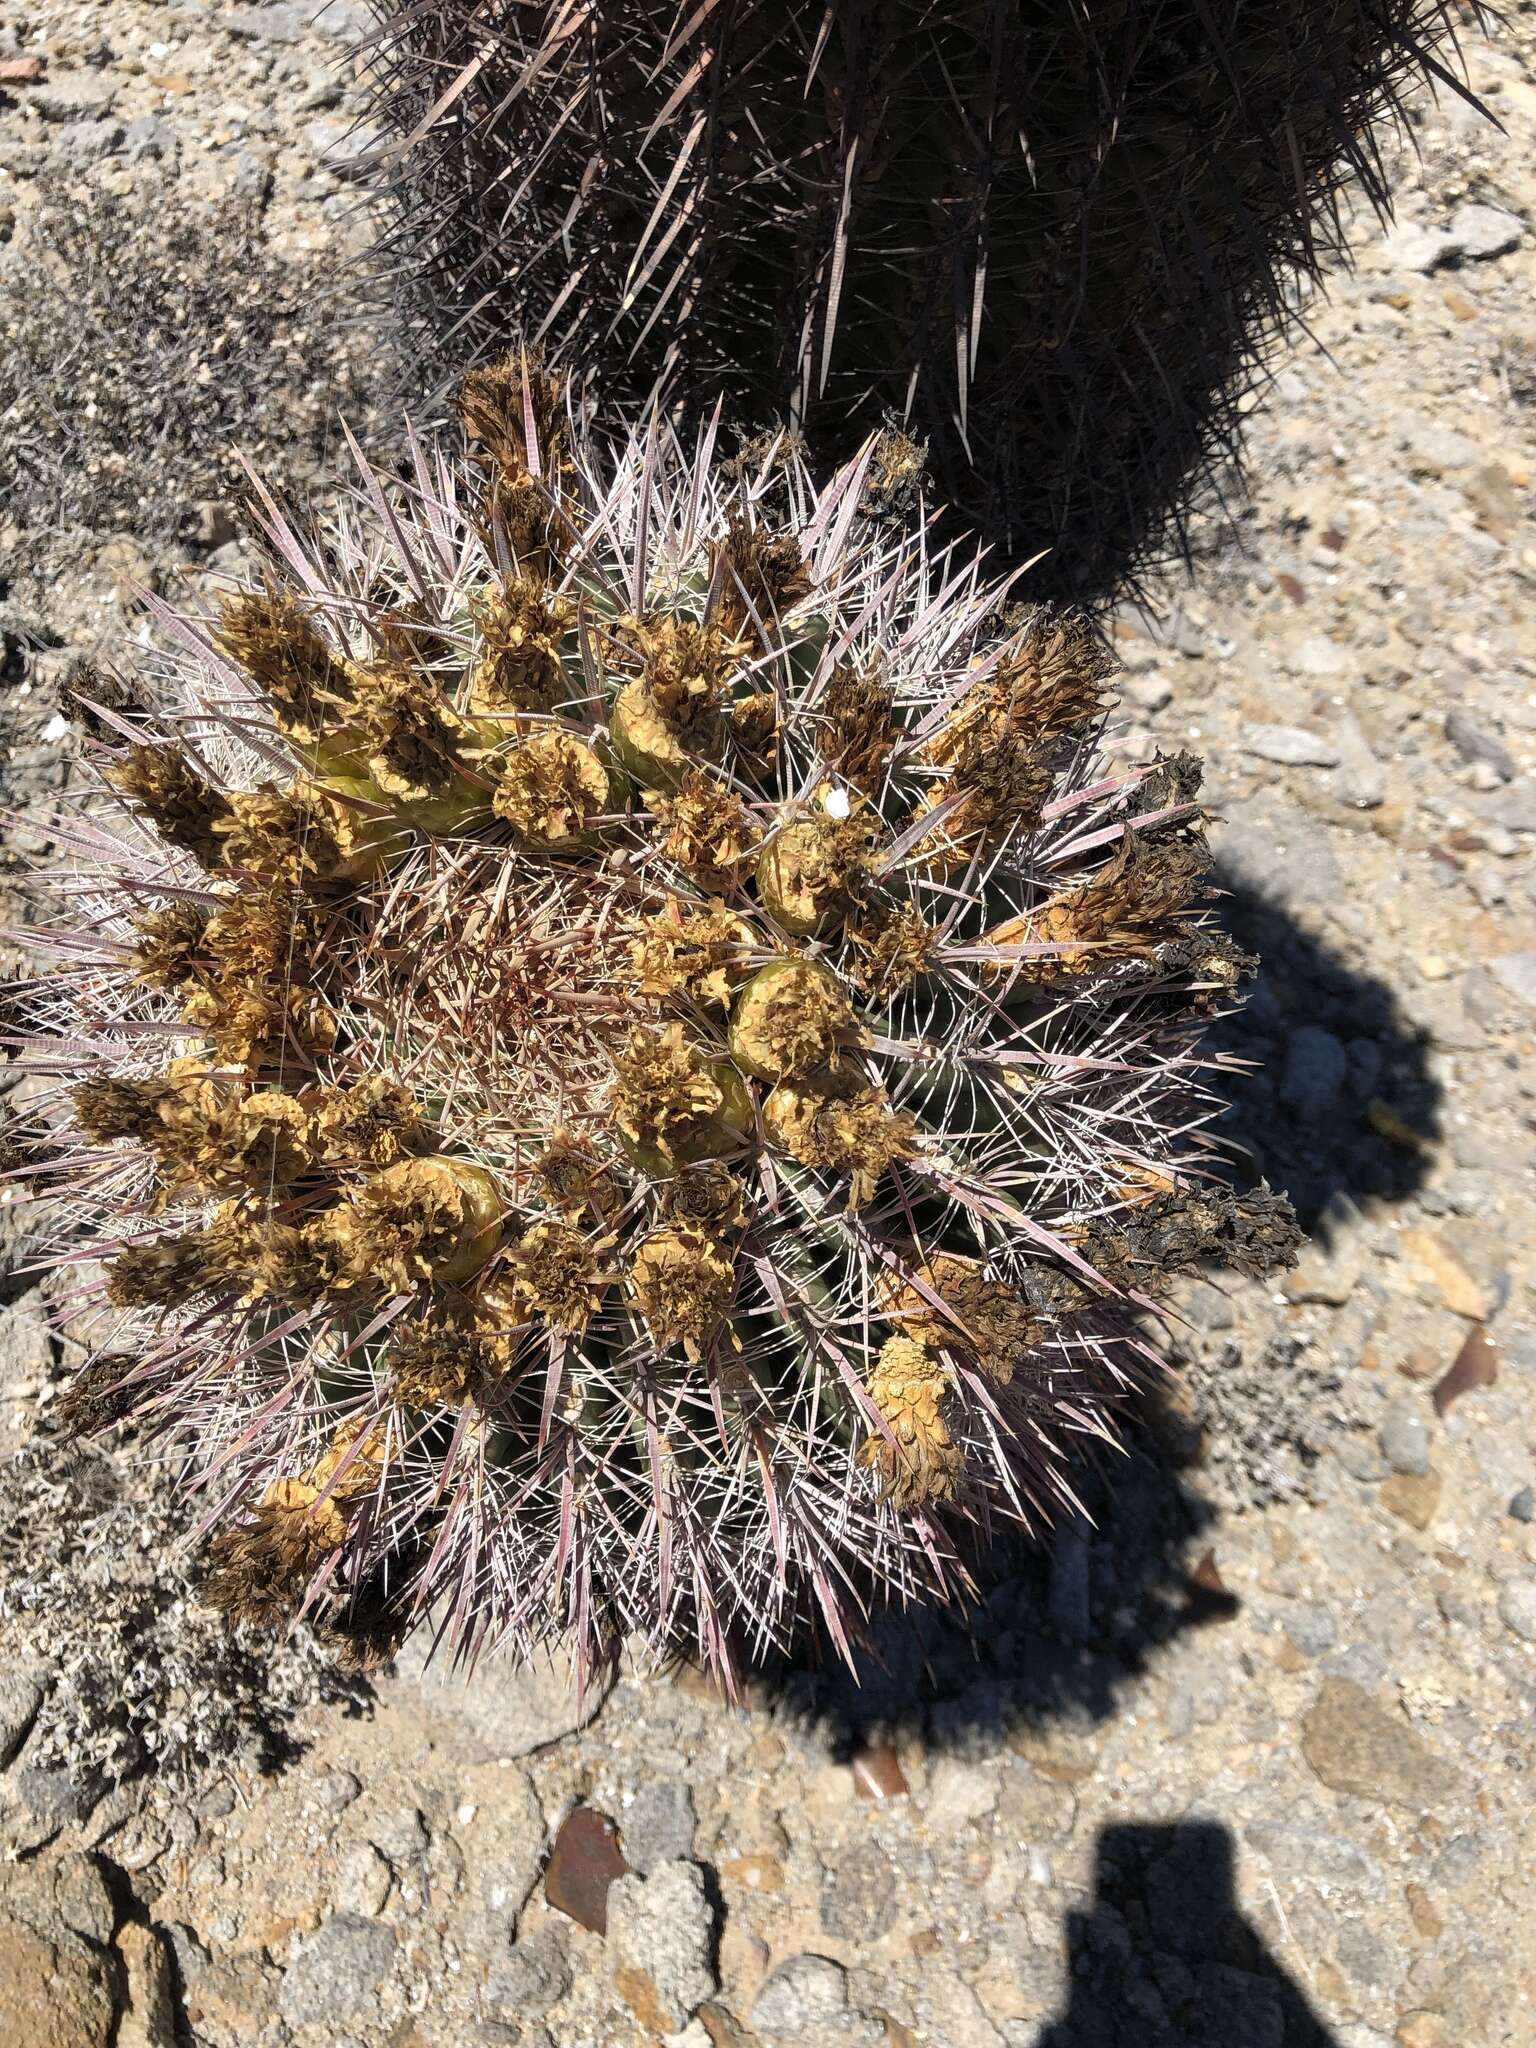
1165 1957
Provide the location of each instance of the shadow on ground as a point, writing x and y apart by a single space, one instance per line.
1341 1099
1058 1630
1164 1954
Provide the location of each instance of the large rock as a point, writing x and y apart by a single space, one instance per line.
858 1894
801 1998
1481 232
337 1971
59 1991
58 1982
149 2012
1515 973
1517 1608
659 1825
1356 1746
501 1708
21 1694
529 1977
661 1937
1290 746
1405 1439
583 1868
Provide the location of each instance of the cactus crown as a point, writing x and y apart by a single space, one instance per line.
638 1072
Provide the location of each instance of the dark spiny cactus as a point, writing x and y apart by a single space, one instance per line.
1054 239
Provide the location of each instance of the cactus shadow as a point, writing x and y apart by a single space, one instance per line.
1338 1097
1164 1952
1056 1633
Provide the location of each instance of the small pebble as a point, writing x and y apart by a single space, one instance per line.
1517 1608
1405 1439
877 1773
1476 1364
584 1862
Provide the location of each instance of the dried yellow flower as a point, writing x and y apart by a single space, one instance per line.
404 729
305 834
270 1259
670 719
692 953
891 949
433 1365
792 1016
836 1119
279 646
574 1177
762 575
552 789
1129 908
682 1279
182 805
811 869
497 403
709 1197
1050 686
856 726
261 1142
261 1569
371 1123
168 944
258 1141
553 1273
706 830
518 666
253 1001
896 476
672 1103
106 1108
165 1274
754 722
990 1319
431 1221
922 1465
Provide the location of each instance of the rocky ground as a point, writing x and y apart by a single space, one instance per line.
1245 1764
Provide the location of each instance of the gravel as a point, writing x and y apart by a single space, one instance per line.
659 1825
1517 1608
1405 1439
1290 746
531 1977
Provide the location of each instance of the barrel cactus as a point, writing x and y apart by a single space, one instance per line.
625 1069
1056 241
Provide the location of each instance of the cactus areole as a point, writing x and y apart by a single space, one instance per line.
623 1068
